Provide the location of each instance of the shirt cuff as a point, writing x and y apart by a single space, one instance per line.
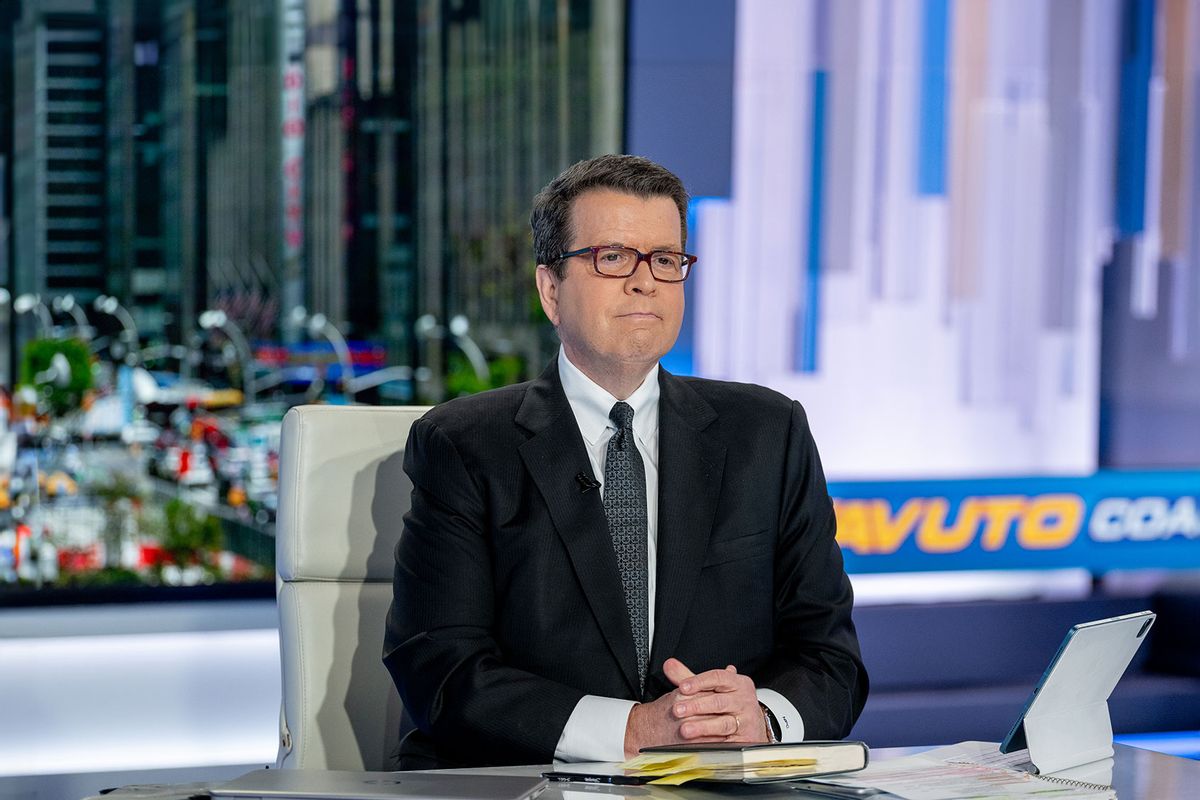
596 730
791 727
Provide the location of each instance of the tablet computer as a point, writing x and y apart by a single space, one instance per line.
1066 715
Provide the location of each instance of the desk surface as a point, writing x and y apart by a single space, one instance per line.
1147 775
1137 775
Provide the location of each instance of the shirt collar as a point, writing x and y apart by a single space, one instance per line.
591 402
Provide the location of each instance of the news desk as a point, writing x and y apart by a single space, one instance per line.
1137 775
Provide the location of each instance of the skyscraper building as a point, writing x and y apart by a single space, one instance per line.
506 96
167 110
241 169
196 176
430 127
116 104
139 270
359 163
59 101
8 17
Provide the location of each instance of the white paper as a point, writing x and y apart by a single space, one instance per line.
966 771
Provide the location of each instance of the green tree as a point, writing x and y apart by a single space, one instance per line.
462 380
189 536
60 370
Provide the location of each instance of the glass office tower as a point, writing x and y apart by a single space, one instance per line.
58 167
8 18
507 96
430 127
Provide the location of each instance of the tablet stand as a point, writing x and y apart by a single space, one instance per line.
1062 739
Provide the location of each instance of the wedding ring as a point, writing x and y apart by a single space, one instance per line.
737 724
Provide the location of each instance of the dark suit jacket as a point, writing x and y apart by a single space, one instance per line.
508 604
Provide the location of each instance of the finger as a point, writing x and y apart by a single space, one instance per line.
720 725
676 671
716 680
731 668
703 704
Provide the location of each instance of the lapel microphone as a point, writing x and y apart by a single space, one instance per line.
586 482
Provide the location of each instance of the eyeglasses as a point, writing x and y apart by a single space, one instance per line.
666 266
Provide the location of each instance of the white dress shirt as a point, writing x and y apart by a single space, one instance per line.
596 728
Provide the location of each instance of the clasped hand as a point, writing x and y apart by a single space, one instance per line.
715 706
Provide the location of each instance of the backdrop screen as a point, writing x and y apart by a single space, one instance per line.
963 236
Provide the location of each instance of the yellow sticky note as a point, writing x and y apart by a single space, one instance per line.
678 778
657 765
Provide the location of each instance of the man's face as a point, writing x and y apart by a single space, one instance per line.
615 326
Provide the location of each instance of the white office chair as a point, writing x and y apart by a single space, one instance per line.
342 498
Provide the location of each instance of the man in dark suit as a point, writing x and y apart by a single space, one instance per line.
611 557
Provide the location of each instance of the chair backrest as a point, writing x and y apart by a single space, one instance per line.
342 497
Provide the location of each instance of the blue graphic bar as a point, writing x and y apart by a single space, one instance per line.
1110 520
808 316
1137 61
932 121
681 359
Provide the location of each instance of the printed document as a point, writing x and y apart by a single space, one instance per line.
967 771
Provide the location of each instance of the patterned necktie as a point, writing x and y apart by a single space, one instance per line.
625 509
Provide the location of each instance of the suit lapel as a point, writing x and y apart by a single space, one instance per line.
554 455
691 464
